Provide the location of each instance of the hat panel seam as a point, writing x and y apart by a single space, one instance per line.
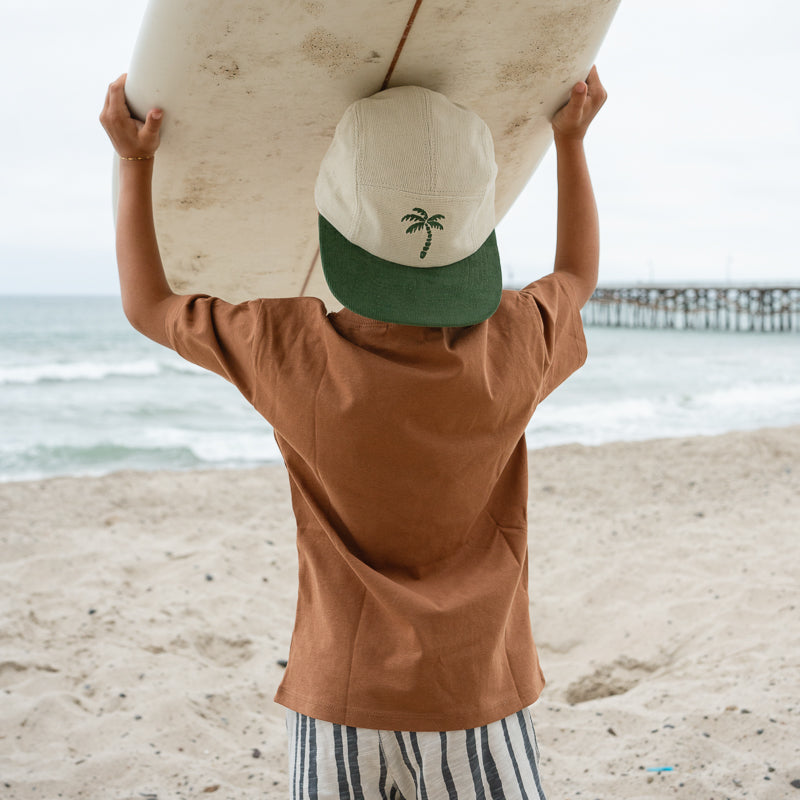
434 194
429 125
476 237
356 214
485 198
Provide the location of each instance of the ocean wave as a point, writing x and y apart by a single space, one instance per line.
90 371
758 395
688 413
54 459
39 460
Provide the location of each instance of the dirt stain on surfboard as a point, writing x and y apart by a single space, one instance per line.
184 276
517 125
221 65
313 9
323 49
555 37
448 12
198 193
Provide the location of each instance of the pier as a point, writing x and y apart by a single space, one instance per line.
743 308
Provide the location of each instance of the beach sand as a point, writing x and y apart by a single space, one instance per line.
144 616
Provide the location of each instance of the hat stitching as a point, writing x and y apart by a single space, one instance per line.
355 219
429 141
446 196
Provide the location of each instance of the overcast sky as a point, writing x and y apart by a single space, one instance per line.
694 157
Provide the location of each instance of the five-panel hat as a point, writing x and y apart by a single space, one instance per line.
405 196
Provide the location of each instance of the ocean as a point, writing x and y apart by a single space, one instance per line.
81 393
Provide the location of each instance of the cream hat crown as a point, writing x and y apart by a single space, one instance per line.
408 180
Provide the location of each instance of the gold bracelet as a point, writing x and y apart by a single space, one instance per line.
136 158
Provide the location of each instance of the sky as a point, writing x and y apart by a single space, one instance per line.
694 157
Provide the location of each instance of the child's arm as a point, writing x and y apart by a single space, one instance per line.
578 230
146 295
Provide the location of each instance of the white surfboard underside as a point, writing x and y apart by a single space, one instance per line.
252 92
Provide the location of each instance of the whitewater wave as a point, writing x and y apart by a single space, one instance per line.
99 458
739 407
78 371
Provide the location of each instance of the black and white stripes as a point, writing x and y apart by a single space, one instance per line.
498 761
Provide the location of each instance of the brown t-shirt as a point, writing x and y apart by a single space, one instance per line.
406 455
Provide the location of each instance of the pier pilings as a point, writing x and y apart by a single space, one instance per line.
743 308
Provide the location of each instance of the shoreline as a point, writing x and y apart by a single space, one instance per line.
145 614
278 463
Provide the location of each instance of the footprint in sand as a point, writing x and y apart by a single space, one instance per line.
222 651
13 672
611 679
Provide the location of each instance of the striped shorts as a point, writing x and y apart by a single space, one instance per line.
336 762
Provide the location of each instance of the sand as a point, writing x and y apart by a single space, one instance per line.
144 617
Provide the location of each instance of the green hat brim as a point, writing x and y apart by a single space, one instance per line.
463 293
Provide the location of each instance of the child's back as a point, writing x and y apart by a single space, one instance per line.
406 453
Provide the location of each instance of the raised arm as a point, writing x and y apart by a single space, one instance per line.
146 294
578 229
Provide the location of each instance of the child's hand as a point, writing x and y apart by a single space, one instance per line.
131 138
572 120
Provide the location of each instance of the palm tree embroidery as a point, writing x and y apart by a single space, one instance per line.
421 220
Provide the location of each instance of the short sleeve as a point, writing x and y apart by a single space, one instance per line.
561 328
249 343
218 336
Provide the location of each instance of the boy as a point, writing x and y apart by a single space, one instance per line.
401 421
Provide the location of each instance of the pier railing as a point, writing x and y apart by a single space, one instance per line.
743 308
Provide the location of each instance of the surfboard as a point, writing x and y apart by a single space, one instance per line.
252 92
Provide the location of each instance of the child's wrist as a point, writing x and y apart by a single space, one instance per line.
136 173
565 140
